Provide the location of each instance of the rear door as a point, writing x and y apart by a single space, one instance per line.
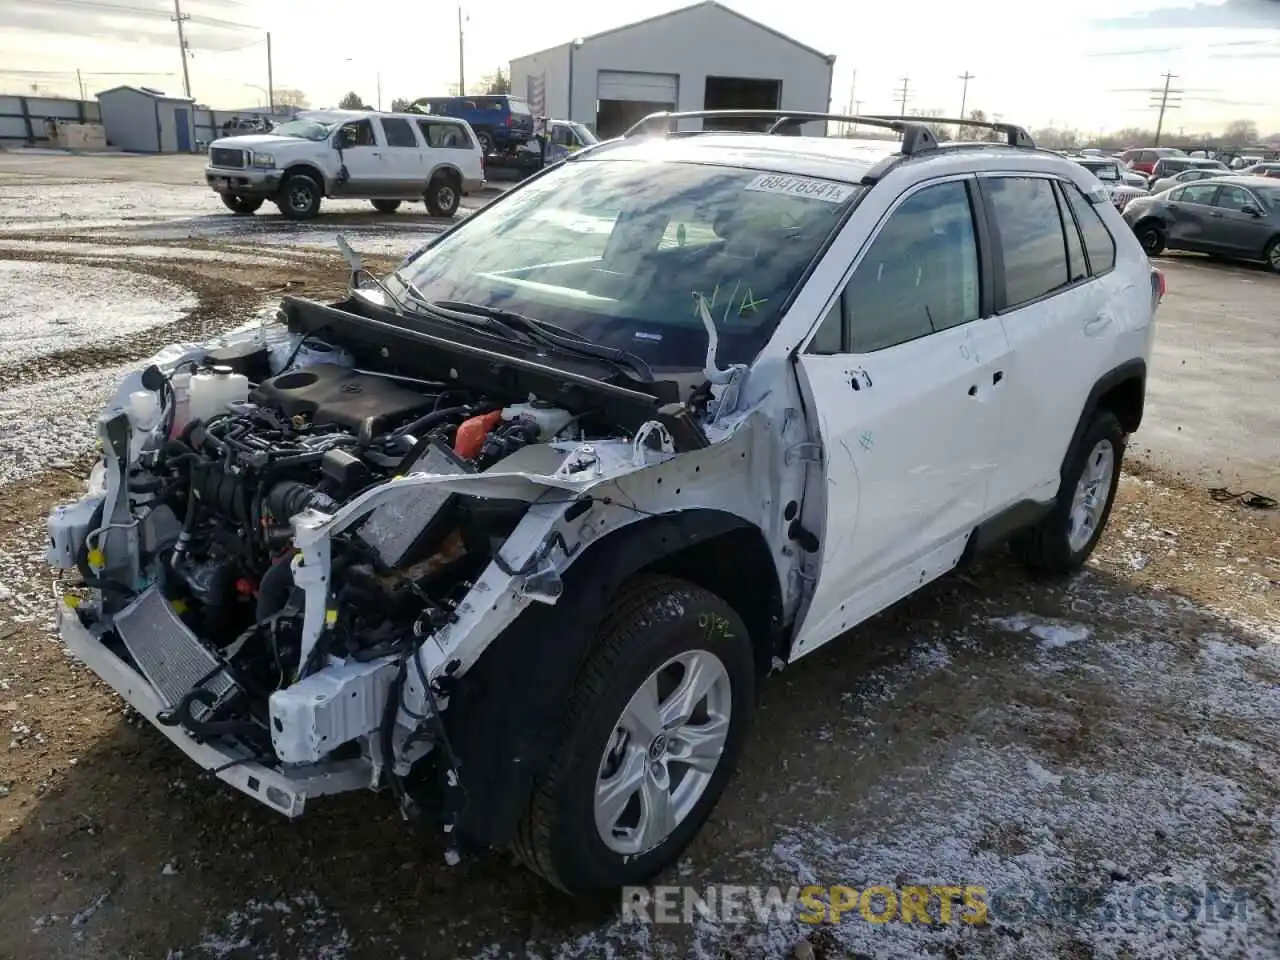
1187 215
905 379
1055 313
405 166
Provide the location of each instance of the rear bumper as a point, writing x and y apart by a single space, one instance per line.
284 792
243 182
470 186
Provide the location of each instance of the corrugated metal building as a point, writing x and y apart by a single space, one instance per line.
706 56
143 120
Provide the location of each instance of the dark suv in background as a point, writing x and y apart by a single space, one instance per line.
501 122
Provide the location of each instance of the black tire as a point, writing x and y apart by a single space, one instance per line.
241 206
300 197
1047 548
485 139
1151 235
386 206
1272 255
444 194
652 620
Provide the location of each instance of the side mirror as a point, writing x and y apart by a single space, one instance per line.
1251 210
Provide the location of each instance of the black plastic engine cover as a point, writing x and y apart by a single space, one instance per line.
330 394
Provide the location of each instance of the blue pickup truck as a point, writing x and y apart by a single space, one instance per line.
502 123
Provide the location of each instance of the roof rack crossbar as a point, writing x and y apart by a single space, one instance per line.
1015 135
916 136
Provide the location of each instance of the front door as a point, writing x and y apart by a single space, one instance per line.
1230 229
905 379
362 164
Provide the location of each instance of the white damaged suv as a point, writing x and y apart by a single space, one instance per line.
521 527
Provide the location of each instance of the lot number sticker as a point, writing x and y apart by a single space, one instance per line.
806 188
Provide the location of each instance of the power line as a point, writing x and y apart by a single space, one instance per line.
127 10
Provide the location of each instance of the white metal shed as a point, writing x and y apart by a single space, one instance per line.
706 56
143 120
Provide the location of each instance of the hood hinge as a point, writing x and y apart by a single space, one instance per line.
804 452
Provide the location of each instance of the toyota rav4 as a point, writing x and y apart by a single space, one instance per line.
520 527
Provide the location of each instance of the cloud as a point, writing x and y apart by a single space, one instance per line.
138 21
1232 15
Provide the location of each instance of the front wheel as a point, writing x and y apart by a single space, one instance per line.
300 197
1151 236
655 723
1063 540
386 206
443 196
241 206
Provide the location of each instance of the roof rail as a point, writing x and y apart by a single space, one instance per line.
1015 135
916 135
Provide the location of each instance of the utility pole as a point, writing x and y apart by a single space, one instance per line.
901 94
1165 103
80 81
271 88
853 88
462 78
179 17
964 92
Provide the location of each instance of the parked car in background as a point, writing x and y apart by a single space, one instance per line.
502 122
1190 175
1168 166
238 126
1142 159
386 158
1244 160
1122 185
1231 216
1261 170
564 137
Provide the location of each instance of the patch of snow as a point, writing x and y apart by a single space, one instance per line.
1051 633
46 308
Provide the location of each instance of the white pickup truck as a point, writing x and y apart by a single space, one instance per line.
353 154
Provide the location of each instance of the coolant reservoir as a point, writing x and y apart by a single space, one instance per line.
211 392
550 419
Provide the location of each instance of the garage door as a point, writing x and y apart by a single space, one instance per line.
644 87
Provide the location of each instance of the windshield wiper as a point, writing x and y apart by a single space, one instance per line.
542 332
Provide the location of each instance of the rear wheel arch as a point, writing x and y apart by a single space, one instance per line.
504 717
1121 390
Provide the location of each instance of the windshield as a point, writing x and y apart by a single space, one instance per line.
617 251
303 129
1102 170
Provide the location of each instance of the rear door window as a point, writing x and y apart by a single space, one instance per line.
1233 198
1027 221
398 133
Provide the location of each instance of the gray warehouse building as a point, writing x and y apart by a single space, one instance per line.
143 120
703 57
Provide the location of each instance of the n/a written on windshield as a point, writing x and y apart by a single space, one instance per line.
807 188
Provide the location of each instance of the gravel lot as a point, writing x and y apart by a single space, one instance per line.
1115 733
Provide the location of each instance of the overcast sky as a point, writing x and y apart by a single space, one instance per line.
1084 63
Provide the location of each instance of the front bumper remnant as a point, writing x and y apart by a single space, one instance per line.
283 791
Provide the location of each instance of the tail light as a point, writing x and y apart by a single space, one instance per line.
1158 287
511 120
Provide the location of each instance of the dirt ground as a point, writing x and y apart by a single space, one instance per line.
1115 732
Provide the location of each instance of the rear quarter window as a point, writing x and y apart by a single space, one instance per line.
1099 244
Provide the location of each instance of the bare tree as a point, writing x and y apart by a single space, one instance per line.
353 101
401 105
1241 132
291 97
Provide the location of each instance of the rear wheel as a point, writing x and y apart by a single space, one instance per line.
1151 235
486 141
300 197
655 722
1272 255
1062 541
444 193
242 206
386 206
